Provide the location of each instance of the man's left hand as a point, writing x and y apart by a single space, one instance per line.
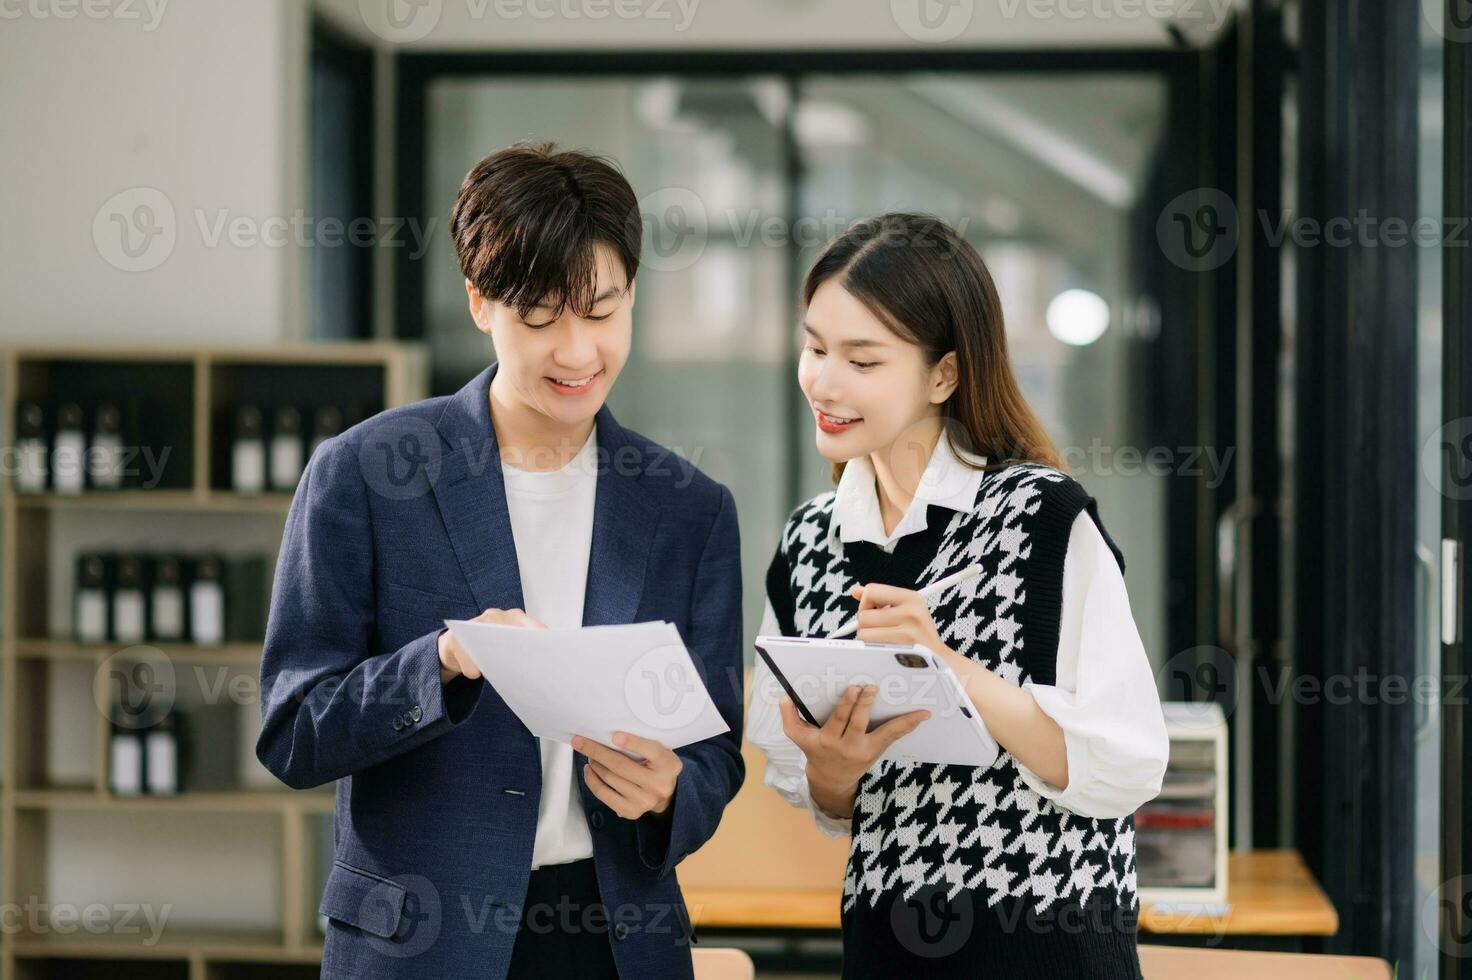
631 788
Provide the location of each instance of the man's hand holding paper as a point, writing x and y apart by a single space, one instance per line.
595 682
455 661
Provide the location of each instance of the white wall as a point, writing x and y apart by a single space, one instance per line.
204 103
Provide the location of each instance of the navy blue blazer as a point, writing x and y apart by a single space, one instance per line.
397 524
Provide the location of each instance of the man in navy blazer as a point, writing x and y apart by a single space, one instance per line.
445 801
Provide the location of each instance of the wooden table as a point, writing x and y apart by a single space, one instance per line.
1269 893
1177 963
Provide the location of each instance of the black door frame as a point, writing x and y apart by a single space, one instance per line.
1242 603
1454 922
416 72
334 50
1355 432
1263 66
1186 73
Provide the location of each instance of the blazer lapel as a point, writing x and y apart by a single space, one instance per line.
624 523
471 496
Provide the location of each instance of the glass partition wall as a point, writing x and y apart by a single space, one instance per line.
742 179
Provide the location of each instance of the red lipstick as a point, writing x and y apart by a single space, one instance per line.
828 424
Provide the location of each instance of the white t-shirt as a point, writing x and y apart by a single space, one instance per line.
552 526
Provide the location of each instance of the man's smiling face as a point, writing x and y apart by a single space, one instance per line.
559 363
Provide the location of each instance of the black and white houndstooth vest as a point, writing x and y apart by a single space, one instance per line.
958 828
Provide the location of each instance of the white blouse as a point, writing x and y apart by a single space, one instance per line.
1105 698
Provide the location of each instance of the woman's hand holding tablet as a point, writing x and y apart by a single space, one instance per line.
843 748
851 703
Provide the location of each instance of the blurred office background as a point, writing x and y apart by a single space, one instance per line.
748 177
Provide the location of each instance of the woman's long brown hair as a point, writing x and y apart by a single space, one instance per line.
928 285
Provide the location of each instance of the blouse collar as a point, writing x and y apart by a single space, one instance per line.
947 482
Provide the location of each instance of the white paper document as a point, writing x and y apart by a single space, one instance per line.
596 680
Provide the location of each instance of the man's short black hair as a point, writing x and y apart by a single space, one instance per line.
527 218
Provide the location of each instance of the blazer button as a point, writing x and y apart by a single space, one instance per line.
398 723
621 930
596 819
417 713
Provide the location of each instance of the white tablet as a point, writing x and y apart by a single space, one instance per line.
815 673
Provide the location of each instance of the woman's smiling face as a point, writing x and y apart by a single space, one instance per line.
865 385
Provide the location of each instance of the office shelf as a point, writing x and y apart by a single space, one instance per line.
1181 835
191 398
223 801
189 954
216 501
173 942
36 648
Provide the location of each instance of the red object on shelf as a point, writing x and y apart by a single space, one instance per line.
1173 820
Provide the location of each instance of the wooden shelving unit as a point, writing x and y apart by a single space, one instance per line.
169 500
202 385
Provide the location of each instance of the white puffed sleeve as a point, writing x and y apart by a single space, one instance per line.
1104 698
786 770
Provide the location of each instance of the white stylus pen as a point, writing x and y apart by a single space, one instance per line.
929 592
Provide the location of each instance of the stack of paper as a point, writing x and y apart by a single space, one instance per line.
593 681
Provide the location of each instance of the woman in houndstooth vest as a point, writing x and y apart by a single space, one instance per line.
1025 868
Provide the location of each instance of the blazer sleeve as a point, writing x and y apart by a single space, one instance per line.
330 706
713 768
